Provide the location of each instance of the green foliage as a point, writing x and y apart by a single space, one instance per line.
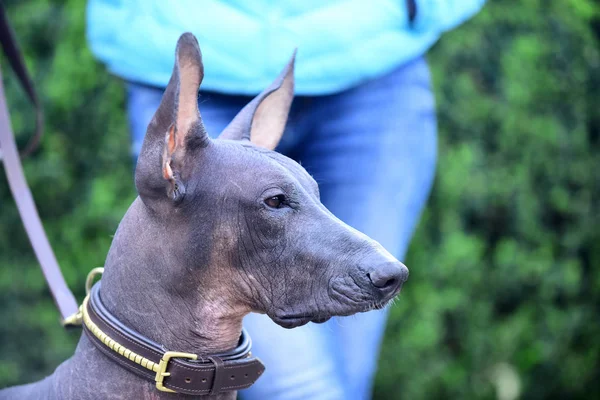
504 294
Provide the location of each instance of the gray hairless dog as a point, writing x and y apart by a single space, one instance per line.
221 228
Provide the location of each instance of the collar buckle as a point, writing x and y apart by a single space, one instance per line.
162 368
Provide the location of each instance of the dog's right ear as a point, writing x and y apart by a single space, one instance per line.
176 134
262 121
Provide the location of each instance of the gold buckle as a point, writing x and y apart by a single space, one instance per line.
162 368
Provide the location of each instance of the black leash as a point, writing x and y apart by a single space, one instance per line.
15 59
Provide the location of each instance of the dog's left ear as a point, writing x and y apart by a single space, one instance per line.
176 132
262 121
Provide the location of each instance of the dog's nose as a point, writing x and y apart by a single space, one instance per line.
388 277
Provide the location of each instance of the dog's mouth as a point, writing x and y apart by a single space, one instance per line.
294 321
343 302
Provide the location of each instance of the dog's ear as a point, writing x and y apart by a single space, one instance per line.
262 121
176 133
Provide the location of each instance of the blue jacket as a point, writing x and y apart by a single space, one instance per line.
245 43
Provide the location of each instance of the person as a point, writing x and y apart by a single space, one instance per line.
362 123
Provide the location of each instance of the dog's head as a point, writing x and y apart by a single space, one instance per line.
249 219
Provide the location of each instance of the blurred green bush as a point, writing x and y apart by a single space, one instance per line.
504 295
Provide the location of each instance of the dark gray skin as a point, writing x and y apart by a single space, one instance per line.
221 228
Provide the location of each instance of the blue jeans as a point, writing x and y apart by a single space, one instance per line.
372 149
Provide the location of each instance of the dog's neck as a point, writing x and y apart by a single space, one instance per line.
146 288
182 309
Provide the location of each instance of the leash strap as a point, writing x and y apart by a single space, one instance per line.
15 59
63 297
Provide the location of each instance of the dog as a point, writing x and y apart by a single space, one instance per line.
221 228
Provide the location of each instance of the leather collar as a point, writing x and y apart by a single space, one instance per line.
178 372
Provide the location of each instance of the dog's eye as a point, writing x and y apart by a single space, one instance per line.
275 201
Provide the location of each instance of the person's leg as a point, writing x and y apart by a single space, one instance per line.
373 153
300 363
